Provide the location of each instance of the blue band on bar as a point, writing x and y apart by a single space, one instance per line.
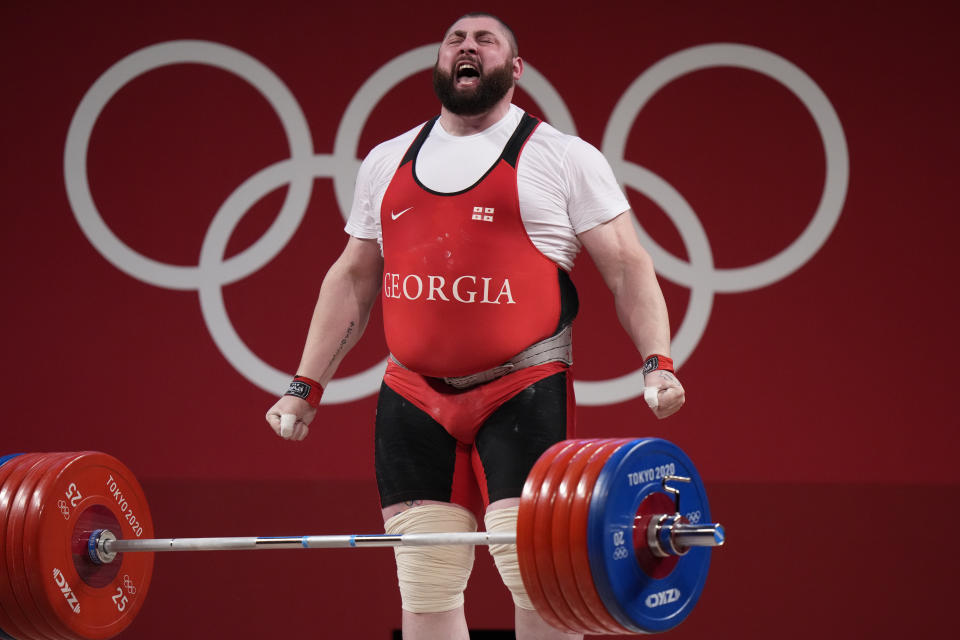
92 548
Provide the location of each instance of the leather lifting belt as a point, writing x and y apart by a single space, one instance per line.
556 348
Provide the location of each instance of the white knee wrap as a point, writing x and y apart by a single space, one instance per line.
432 578
505 555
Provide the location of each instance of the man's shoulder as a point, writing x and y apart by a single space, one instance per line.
547 131
394 147
557 147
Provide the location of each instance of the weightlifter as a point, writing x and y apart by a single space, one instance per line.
467 226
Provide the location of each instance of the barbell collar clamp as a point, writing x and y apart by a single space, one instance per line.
673 490
96 546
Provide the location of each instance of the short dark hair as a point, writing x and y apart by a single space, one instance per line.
483 14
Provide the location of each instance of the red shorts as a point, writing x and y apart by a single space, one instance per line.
435 442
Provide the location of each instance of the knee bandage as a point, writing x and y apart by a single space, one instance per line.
432 578
505 555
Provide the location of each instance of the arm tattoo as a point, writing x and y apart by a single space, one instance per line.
666 376
343 342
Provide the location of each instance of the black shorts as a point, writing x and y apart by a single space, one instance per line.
417 459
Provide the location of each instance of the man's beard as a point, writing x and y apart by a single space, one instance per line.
490 89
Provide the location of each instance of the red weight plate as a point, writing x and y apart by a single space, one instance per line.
526 546
561 539
543 537
16 542
579 512
92 488
14 471
655 504
6 623
34 491
12 619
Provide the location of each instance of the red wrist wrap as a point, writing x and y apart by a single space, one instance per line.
657 361
306 389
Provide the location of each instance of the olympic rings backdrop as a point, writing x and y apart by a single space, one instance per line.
175 182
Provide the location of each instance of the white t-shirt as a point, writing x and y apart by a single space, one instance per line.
565 184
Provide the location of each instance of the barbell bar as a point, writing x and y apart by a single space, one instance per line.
104 546
613 536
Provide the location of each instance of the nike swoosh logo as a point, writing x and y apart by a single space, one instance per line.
394 216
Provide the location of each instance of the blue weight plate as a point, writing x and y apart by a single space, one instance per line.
636 600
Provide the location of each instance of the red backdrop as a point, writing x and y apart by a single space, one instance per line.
818 378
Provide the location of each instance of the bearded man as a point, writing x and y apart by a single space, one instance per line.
466 227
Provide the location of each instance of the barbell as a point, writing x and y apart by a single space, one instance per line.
613 536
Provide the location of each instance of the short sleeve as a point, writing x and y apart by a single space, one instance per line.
373 178
364 219
593 194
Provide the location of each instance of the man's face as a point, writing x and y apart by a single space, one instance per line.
475 66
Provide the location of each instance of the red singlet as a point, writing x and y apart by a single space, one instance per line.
464 288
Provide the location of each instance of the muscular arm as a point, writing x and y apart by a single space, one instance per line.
347 295
339 318
628 271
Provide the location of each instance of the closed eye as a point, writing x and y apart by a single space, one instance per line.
486 37
482 37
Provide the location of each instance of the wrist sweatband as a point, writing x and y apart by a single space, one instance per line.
306 389
657 361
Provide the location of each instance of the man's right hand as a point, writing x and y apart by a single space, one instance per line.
290 418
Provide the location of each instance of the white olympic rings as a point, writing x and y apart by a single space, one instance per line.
303 166
699 274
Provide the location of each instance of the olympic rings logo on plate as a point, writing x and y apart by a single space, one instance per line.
298 172
128 584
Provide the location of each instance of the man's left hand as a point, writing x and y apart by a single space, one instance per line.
669 393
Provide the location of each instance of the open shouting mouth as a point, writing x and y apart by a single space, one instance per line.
466 73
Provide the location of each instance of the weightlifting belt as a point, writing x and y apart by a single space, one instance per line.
556 348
